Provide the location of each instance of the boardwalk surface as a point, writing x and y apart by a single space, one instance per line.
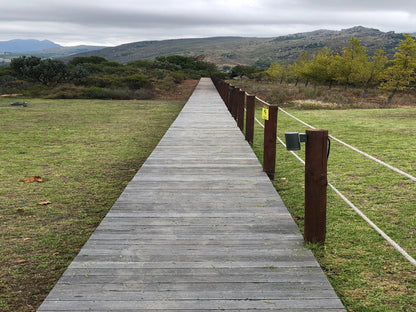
199 228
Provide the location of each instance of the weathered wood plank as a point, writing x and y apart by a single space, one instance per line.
192 265
242 304
315 289
90 293
199 228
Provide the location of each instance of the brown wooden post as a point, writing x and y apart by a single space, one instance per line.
250 102
315 185
229 96
234 102
240 109
269 154
224 91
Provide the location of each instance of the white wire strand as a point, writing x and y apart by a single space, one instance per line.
358 211
401 172
375 227
281 142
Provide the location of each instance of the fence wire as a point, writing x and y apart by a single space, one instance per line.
346 200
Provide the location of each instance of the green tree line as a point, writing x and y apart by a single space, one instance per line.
96 77
352 67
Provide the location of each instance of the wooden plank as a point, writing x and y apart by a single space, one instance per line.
191 265
199 228
315 289
86 293
140 305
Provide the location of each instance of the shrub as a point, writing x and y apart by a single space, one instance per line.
178 76
311 93
144 94
167 84
137 81
68 91
98 93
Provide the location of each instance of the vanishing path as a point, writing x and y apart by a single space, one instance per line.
199 228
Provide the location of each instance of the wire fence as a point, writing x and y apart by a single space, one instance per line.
223 89
357 210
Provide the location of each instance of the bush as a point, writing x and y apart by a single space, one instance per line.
144 94
68 91
99 93
311 93
281 96
101 81
178 76
137 81
167 84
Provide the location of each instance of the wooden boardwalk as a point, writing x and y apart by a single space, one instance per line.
199 228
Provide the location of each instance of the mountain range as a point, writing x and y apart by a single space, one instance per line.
40 48
25 45
261 52
230 51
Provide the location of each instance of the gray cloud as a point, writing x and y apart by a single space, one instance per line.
116 22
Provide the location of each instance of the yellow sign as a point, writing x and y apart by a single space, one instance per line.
265 113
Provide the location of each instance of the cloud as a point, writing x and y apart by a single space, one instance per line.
116 22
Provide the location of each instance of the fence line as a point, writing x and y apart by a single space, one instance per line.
348 202
355 149
358 211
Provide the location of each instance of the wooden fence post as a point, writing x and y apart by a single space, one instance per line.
250 104
240 109
234 102
269 154
224 91
229 97
316 160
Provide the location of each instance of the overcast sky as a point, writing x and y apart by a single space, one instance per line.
105 22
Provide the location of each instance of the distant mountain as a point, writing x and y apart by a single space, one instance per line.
54 53
59 52
230 51
25 45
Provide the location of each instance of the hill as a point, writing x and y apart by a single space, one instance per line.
26 45
54 53
230 51
57 52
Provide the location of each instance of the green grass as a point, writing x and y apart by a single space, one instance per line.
366 272
86 151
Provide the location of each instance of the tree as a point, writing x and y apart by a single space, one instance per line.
351 64
47 72
243 70
23 66
374 72
401 74
50 72
276 72
319 68
299 66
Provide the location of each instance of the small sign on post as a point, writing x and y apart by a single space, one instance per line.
265 113
269 143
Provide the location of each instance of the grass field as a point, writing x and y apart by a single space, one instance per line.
85 153
367 273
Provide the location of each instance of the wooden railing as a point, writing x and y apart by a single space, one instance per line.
237 101
316 155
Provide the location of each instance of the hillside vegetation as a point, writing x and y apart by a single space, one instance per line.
352 67
260 52
371 60
97 78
